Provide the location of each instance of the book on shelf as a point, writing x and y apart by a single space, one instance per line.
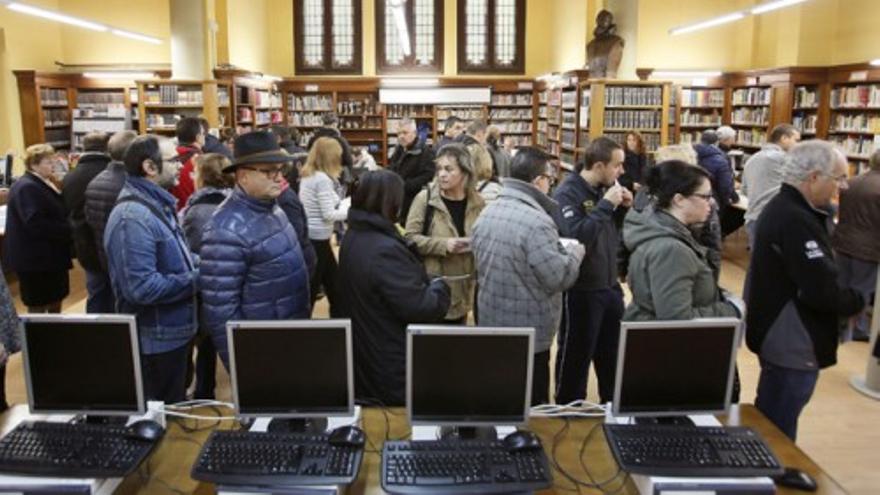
689 117
752 137
861 96
311 102
55 117
633 95
53 96
750 115
702 98
806 97
859 122
358 105
751 96
633 119
806 124
651 140
522 99
172 94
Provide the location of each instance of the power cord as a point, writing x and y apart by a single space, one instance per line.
577 482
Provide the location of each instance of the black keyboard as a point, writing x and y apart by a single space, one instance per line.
259 458
70 450
674 450
461 466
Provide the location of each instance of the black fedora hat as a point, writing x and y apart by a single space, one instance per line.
257 147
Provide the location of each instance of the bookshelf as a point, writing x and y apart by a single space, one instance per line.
306 110
568 125
855 121
805 109
423 115
467 113
583 134
699 109
162 104
224 98
257 104
362 121
541 122
750 112
618 107
99 109
514 113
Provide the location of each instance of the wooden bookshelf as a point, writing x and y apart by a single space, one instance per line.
584 109
362 121
854 106
750 114
617 107
513 111
161 104
699 108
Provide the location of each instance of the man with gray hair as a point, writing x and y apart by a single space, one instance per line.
762 173
726 137
413 161
794 300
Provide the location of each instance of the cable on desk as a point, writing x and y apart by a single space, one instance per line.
572 478
597 484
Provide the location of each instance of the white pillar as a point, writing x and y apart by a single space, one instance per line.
870 383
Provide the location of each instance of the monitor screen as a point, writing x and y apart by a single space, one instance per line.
291 369
675 367
469 376
83 364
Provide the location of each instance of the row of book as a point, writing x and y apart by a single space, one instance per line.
245 114
58 138
688 117
755 137
264 117
569 99
114 111
85 99
511 99
805 97
633 95
50 96
263 98
361 122
56 117
750 115
510 113
702 97
516 126
633 119
806 124
310 102
652 141
861 96
464 113
520 140
568 138
569 118
167 120
355 107
751 96
859 122
398 111
222 96
173 94
689 137
306 119
861 146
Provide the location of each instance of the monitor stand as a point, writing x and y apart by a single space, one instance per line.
468 433
664 420
298 425
93 419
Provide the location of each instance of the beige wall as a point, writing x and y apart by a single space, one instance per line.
568 30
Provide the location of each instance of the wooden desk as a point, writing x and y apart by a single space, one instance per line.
167 470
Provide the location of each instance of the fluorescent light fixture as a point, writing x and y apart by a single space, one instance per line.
411 82
136 36
724 19
686 73
699 81
119 75
778 4
55 16
875 62
267 77
547 77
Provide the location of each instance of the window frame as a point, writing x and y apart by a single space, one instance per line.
409 66
491 67
356 67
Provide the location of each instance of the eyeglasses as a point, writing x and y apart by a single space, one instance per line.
841 180
270 173
549 178
706 197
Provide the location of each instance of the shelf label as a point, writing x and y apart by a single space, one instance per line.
861 75
524 86
752 81
311 88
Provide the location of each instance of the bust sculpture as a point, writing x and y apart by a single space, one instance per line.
605 50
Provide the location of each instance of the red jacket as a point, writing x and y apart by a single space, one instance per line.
185 186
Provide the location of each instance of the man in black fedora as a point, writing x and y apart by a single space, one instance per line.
252 264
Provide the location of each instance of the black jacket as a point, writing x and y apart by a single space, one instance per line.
589 218
37 230
633 167
416 166
101 195
214 145
74 194
794 301
293 208
383 287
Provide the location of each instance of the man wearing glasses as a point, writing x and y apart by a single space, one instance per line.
794 302
151 270
252 265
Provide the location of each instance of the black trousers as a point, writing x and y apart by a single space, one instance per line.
589 332
3 404
165 375
325 274
541 378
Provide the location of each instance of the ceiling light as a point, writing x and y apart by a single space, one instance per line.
875 62
686 73
708 23
778 4
119 75
421 82
267 77
55 16
136 36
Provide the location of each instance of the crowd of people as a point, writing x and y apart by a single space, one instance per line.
192 234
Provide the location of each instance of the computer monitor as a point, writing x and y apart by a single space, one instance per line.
291 369
675 368
468 376
82 364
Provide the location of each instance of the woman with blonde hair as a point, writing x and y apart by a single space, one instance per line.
318 192
488 184
440 222
38 237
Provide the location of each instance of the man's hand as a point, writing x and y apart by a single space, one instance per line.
627 198
614 194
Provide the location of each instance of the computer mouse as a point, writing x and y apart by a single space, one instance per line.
797 479
521 440
348 436
146 429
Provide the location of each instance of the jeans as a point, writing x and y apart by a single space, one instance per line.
783 393
101 299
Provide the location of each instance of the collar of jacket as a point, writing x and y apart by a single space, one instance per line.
116 166
204 192
474 200
523 191
466 139
152 191
679 230
359 219
796 195
259 205
772 147
416 149
45 182
579 181
93 154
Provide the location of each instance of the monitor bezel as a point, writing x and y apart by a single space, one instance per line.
462 331
231 326
85 319
706 323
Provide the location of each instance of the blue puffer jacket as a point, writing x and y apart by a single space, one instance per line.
252 267
713 159
151 270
